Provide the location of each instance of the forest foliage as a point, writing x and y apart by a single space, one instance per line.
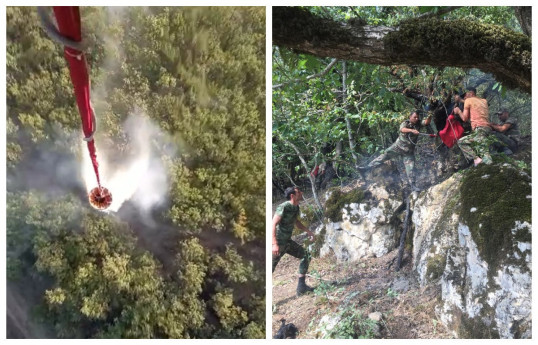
347 112
199 75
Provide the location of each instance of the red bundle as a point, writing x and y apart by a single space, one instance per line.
452 132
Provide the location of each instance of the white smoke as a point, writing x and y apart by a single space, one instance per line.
137 174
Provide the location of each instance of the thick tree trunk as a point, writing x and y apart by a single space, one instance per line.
524 17
431 41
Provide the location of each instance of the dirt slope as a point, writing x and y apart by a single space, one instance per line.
368 286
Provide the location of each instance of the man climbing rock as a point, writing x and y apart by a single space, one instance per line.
507 131
459 100
404 146
284 220
474 146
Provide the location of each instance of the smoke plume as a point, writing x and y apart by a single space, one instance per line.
137 174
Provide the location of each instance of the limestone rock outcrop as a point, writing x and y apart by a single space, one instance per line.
470 233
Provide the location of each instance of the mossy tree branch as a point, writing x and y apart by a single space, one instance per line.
430 41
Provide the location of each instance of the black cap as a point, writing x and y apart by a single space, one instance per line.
472 89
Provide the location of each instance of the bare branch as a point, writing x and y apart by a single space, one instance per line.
305 166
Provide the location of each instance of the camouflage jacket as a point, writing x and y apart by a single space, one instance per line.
288 213
405 144
513 132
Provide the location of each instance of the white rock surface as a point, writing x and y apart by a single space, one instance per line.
474 299
365 229
501 300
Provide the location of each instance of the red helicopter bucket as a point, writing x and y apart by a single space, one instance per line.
100 198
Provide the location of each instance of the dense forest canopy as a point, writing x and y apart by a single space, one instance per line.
192 266
344 108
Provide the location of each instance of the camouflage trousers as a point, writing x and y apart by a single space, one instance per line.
505 141
294 249
476 145
408 161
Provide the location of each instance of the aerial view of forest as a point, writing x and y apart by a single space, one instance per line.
179 102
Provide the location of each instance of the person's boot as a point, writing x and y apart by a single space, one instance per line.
462 165
302 288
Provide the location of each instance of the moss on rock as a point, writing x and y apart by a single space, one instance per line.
435 266
338 200
309 215
319 241
493 199
476 328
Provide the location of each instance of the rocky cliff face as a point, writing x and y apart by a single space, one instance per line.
366 227
471 234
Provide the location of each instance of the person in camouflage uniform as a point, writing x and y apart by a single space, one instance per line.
284 220
404 146
475 146
507 131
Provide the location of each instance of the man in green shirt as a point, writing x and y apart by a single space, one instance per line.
404 147
284 220
507 131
